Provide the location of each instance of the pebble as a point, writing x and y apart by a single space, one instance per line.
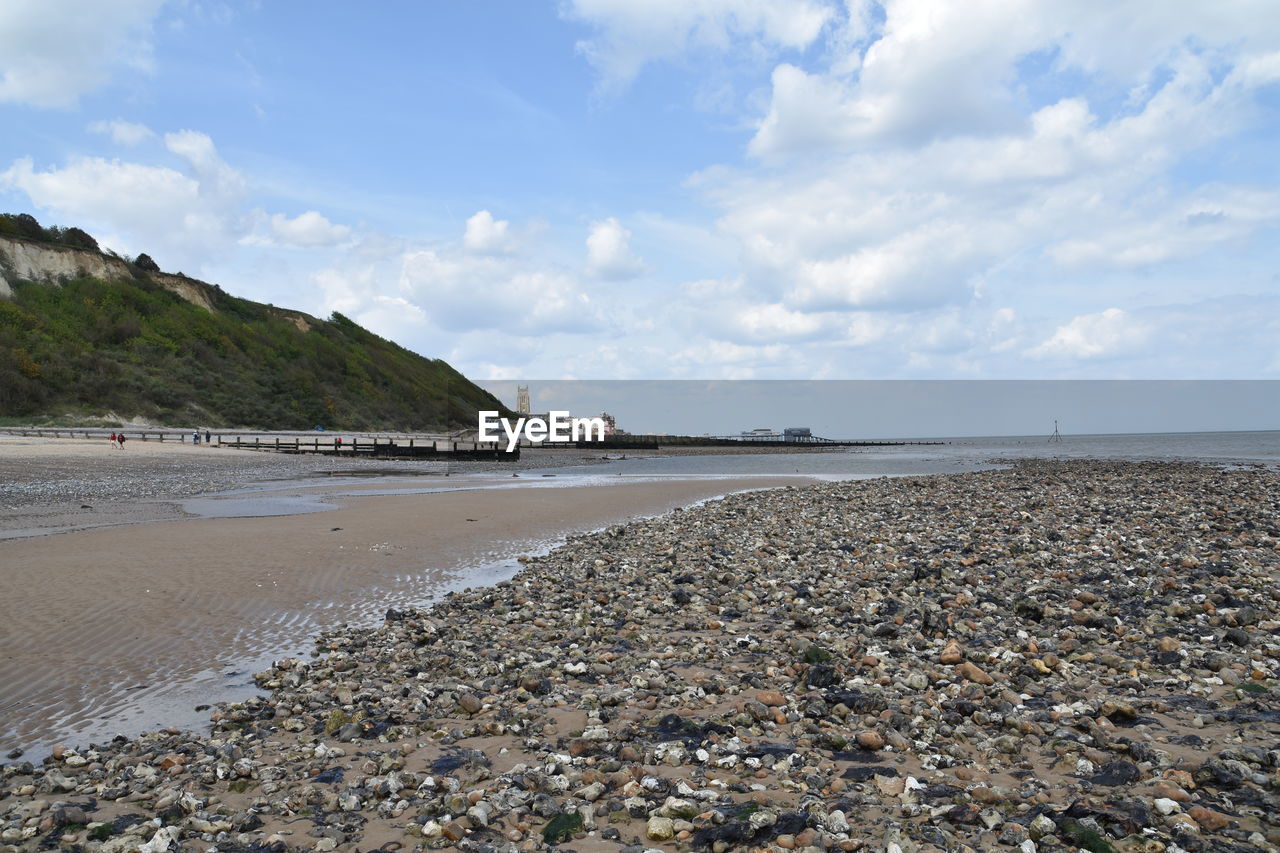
1012 657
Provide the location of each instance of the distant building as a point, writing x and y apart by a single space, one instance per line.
522 400
797 434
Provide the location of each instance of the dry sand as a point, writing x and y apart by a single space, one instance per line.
125 627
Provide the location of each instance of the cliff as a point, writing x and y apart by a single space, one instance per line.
85 334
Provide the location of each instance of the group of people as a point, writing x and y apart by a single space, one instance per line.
117 439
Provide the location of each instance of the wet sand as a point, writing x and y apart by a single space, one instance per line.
128 627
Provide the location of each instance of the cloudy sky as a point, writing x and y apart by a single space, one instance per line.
686 188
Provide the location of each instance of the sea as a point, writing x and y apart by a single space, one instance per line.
940 456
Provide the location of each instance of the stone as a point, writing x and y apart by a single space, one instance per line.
660 829
771 698
1208 819
870 740
970 671
951 654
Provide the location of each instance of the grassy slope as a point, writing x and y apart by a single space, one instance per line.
90 347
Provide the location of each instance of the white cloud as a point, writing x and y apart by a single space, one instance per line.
191 219
455 291
773 322
727 360
217 179
51 53
609 254
462 292
127 197
486 235
904 202
931 70
1168 230
633 33
1093 336
307 230
122 132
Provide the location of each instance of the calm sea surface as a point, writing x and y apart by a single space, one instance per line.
951 455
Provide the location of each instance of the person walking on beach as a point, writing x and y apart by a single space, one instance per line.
114 446
195 437
208 438
120 441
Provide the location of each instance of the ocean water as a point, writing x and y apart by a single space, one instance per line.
948 455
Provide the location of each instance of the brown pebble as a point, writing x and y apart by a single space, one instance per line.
771 698
951 654
985 795
1169 791
970 671
1208 818
870 740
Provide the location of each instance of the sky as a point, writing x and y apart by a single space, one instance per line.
686 189
914 408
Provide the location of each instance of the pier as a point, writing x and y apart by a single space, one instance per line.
657 442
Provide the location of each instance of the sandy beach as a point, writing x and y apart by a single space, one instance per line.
142 611
1052 657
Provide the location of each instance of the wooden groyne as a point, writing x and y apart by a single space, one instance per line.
427 446
376 448
368 446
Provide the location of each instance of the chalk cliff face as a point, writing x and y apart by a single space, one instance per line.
51 264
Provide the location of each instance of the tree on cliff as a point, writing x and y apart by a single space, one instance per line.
22 225
144 263
79 239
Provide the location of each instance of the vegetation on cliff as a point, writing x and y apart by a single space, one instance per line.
25 226
87 347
